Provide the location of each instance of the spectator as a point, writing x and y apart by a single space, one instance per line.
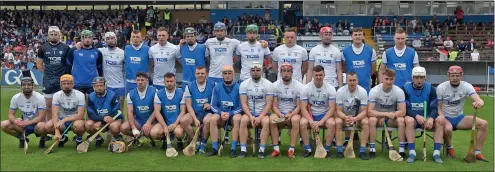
300 27
448 44
443 54
9 55
267 16
475 56
489 44
471 46
345 26
461 46
447 21
428 42
416 43
459 15
202 20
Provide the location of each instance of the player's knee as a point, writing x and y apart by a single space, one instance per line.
304 123
245 119
236 118
330 123
265 122
4 124
295 120
409 121
364 122
214 119
372 121
400 121
186 119
179 133
448 129
482 124
40 126
338 122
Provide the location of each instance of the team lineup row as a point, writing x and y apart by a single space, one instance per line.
121 70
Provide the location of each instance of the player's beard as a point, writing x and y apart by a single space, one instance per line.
67 91
54 41
256 78
455 85
100 94
326 43
27 92
190 43
227 82
418 87
252 41
220 39
286 79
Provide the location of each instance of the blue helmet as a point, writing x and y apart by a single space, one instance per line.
219 25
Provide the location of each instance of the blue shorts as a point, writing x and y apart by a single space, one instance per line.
84 89
30 130
216 80
129 86
66 124
159 87
455 120
118 91
318 117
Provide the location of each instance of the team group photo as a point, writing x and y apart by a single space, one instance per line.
247 86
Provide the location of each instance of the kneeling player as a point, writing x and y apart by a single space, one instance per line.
451 98
226 107
171 114
320 97
140 108
256 95
286 104
71 105
32 105
416 94
103 104
352 107
386 104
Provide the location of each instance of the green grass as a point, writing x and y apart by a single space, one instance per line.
146 158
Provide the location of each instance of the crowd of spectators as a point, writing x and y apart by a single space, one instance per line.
23 32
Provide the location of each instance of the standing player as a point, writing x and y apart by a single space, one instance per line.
164 55
103 104
220 51
251 51
32 106
140 108
328 56
171 114
136 60
292 53
226 106
317 108
113 66
360 59
352 108
400 58
198 102
286 104
85 64
70 103
451 97
256 96
416 94
192 56
52 62
386 104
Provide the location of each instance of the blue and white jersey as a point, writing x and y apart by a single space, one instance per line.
136 60
68 104
113 66
29 107
221 54
318 98
295 55
163 60
250 53
402 61
257 93
453 98
328 57
386 101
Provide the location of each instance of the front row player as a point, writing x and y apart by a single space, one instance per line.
71 105
226 106
386 104
451 96
256 94
103 104
287 92
320 97
352 108
32 105
416 93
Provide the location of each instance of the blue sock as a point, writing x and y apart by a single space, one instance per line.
214 145
339 148
411 146
327 148
203 141
437 146
346 139
234 145
402 144
307 147
362 149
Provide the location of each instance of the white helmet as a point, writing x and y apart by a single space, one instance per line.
419 71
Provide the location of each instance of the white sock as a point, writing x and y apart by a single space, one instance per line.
243 149
401 149
436 152
412 152
262 149
291 148
277 148
476 152
372 150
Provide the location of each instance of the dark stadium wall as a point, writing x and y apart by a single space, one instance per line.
366 21
218 14
190 16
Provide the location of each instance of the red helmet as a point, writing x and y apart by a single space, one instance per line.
326 29
455 69
286 65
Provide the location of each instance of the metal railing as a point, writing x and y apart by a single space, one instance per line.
391 29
